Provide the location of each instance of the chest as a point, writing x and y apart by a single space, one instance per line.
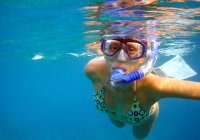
123 101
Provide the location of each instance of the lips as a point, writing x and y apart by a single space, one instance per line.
124 69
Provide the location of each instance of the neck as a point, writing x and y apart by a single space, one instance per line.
127 87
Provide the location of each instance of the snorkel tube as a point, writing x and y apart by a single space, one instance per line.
119 78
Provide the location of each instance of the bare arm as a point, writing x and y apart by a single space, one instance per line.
169 87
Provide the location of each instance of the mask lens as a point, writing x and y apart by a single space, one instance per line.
111 47
135 50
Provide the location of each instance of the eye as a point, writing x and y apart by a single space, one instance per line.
132 47
113 47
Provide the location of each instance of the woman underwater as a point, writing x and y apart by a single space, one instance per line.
127 93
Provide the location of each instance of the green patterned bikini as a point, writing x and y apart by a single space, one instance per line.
136 114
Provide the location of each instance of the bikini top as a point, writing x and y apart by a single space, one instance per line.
135 115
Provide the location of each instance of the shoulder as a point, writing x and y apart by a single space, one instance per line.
152 85
95 68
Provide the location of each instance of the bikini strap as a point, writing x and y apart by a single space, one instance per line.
135 86
103 87
106 81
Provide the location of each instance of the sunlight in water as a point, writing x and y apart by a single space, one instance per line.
167 21
37 57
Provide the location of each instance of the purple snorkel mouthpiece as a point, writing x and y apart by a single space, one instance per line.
119 78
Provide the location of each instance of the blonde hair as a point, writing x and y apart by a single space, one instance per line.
94 46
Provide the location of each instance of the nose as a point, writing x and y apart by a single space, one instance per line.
122 56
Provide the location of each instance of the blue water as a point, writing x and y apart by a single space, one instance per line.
44 94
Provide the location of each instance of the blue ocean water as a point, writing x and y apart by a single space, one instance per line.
44 94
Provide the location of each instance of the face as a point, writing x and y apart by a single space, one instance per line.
124 53
129 66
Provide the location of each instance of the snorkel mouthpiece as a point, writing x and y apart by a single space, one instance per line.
119 78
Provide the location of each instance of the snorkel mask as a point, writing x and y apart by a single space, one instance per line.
129 50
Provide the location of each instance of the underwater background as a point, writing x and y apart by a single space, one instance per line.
44 94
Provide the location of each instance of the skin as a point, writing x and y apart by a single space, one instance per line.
148 91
